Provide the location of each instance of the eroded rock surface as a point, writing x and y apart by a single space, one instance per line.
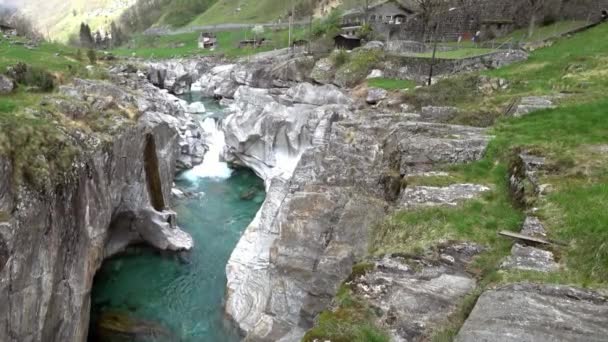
532 312
57 241
315 225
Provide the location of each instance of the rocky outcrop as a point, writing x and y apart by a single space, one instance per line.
532 312
435 196
412 296
6 85
52 243
531 257
315 224
527 105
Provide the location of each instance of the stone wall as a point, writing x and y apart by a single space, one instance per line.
417 68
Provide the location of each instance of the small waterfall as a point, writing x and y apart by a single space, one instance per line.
212 166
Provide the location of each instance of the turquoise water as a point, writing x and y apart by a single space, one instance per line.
183 296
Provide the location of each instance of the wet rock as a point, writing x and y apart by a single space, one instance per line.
121 326
436 196
375 95
248 195
196 108
6 85
533 312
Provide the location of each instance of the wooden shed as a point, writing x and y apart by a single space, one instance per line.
346 42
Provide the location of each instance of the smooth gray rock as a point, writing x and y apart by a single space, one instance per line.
537 313
306 93
375 95
528 258
286 269
6 85
438 114
531 104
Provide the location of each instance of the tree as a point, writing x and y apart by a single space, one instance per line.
428 10
92 56
117 36
86 38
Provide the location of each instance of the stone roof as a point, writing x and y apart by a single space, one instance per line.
407 5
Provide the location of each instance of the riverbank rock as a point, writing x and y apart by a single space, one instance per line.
534 312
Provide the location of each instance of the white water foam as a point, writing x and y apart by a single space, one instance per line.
212 166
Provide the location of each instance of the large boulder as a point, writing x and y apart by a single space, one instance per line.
306 93
534 312
6 85
323 71
375 95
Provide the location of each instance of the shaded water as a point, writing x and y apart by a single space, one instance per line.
183 300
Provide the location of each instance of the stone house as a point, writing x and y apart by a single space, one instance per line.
207 41
384 18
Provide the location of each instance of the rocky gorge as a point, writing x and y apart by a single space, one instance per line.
333 166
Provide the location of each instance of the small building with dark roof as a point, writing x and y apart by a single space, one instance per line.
8 30
347 42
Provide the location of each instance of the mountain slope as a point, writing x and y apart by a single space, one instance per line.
57 19
262 11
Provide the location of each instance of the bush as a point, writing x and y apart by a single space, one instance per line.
339 58
365 32
330 25
360 63
92 56
30 76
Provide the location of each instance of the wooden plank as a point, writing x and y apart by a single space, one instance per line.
524 237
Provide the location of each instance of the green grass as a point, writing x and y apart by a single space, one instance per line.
461 53
51 56
186 44
351 321
391 84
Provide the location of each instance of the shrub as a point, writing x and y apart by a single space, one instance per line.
339 58
30 76
79 55
92 56
360 63
365 32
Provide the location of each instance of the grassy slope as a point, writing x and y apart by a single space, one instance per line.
33 135
187 44
225 11
574 138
